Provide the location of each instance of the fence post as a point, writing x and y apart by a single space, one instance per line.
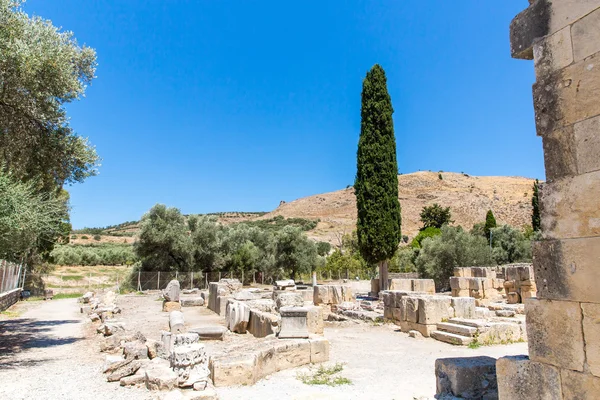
24 276
139 286
3 276
254 278
206 281
219 276
176 275
231 274
192 280
158 282
242 277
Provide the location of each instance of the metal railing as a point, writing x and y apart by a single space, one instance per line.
10 276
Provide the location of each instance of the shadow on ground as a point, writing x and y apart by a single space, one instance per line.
17 335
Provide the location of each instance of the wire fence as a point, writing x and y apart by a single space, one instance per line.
10 276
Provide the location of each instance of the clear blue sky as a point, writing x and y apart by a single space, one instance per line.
235 105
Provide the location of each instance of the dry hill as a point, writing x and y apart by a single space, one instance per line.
469 198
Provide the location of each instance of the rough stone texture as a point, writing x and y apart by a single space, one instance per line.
591 333
319 350
160 376
578 386
223 288
423 285
314 320
553 52
467 377
569 207
172 291
464 307
434 309
222 305
234 370
331 294
210 332
124 370
287 284
185 339
587 143
190 363
554 333
521 378
169 306
137 350
293 323
586 36
288 299
192 301
176 322
560 156
238 316
262 324
567 269
401 284
136 379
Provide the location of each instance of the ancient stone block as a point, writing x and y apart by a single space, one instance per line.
513 298
567 269
288 299
176 322
466 377
262 324
238 316
423 285
185 339
462 272
137 350
331 294
224 288
160 376
233 370
433 309
172 292
521 378
291 354
214 332
401 284
137 379
192 301
460 293
464 307
579 386
293 323
398 314
587 142
319 350
567 96
554 333
169 306
591 333
586 36
560 158
553 52
374 286
569 207
459 283
412 309
287 284
314 320
125 369
190 363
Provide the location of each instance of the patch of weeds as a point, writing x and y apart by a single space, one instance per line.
474 345
72 277
59 296
325 376
10 314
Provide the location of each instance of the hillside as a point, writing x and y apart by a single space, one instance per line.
469 198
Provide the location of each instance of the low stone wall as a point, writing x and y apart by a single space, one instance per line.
409 285
262 324
331 294
220 292
422 312
9 298
485 290
519 284
269 357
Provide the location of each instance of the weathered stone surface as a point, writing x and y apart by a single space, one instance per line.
160 376
412 309
110 328
234 370
169 306
553 52
586 36
214 332
165 339
185 339
434 309
464 307
85 309
560 158
176 322
190 363
513 298
319 350
136 379
87 297
154 348
505 313
314 320
423 285
192 301
137 350
262 324
462 272
591 333
288 299
293 323
569 207
245 295
466 377
554 333
579 386
401 284
124 370
587 143
172 292
460 283
113 363
238 316
332 294
223 288
287 284
567 269
521 378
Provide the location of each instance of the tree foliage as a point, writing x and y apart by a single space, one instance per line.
510 245
536 221
435 216
439 255
376 184
424 234
41 69
294 252
490 223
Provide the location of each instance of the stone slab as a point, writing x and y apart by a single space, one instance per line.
466 377
521 378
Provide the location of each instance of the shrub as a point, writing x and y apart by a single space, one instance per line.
510 245
425 233
97 238
435 216
85 237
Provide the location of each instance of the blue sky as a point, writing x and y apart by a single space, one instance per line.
235 105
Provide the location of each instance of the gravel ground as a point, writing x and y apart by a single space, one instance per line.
51 353
46 354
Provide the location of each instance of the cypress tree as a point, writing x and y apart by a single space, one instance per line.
490 222
376 185
536 221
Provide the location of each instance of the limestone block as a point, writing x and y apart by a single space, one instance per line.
319 350
165 339
554 333
287 284
527 294
388 312
510 286
587 142
137 379
331 294
374 285
500 332
172 292
137 350
553 52
264 305
291 354
214 332
262 324
154 348
423 285
288 299
560 158
567 96
567 269
233 370
192 301
433 309
314 320
160 376
176 322
460 293
125 369
513 298
293 323
424 329
307 294
591 333
401 284
398 295
521 378
244 295
462 272
466 377
576 385
221 305
169 306
464 307
185 339
586 36
397 314
87 297
238 316
388 299
412 309
190 363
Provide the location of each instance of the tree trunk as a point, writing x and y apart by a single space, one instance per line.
383 276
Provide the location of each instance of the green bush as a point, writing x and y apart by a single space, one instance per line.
510 245
424 234
93 254
97 238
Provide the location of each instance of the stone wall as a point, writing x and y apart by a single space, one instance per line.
563 39
9 298
480 283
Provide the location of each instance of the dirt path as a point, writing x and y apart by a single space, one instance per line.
44 354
